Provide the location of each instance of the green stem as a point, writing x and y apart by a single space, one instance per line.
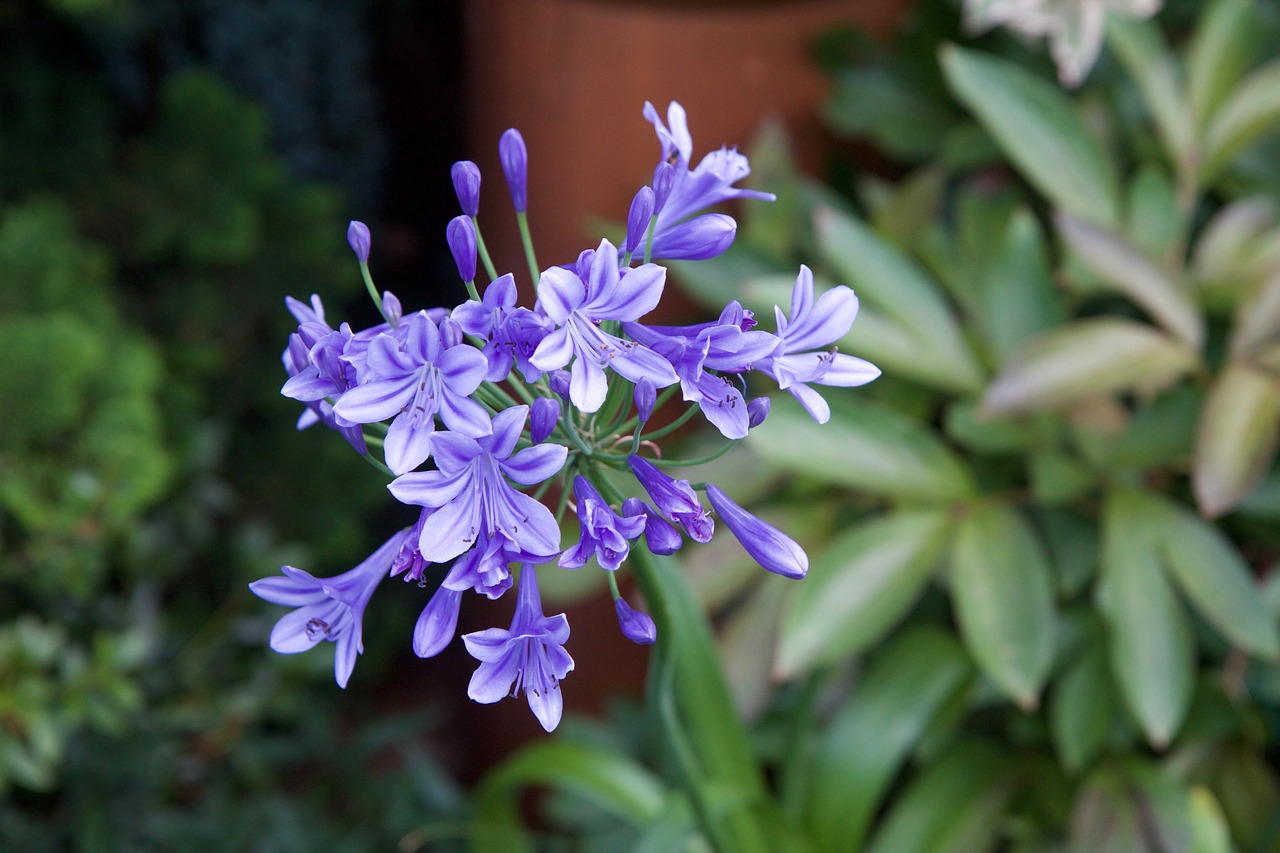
471 289
648 238
373 291
483 251
376 464
673 426
522 219
699 460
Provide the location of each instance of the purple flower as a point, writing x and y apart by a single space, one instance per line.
466 183
437 623
529 656
659 535
767 545
359 240
511 334
758 410
471 495
675 499
413 384
318 372
461 236
814 326
636 626
327 608
515 165
638 219
646 397
576 305
391 308
604 533
697 239
542 420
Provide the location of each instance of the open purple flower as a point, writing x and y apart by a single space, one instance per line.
484 568
766 544
317 370
327 608
577 305
471 495
814 326
511 334
675 499
605 534
413 384
528 656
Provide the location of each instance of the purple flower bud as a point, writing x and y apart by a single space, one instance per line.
559 382
466 183
646 396
461 235
636 626
757 411
391 308
659 534
359 240
638 219
451 334
437 623
674 498
664 179
699 239
767 545
515 165
542 421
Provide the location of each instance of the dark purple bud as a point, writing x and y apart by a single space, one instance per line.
646 396
466 183
542 420
664 179
636 626
559 382
659 534
391 308
359 240
515 165
638 219
757 411
461 235
437 623
766 544
698 239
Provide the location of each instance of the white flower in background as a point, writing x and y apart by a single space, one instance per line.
1074 28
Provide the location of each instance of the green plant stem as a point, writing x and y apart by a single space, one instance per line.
710 457
373 291
671 427
483 251
526 239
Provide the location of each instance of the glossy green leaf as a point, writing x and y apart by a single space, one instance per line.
1109 255
865 446
1220 51
956 806
1085 359
1216 580
1252 109
1002 591
1081 707
859 588
871 736
1019 298
1235 438
1038 128
1146 57
1151 647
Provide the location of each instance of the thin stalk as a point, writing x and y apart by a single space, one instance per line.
483 251
526 239
373 291
671 427
699 460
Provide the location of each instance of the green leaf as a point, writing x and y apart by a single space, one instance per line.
1151 647
1085 359
1216 580
1081 707
883 277
956 806
864 446
1210 833
1058 477
1072 541
1018 296
1220 51
983 433
859 588
1039 130
1161 433
875 103
1235 438
1167 301
1141 48
872 735
1229 235
1002 591
1251 110
1257 319
1106 817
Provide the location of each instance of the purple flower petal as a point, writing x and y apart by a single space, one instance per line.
766 544
437 623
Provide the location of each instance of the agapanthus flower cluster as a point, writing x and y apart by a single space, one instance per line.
498 421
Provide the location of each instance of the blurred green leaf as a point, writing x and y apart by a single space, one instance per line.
1235 438
1257 318
865 446
1084 359
1072 542
877 104
912 207
1151 647
1082 703
1220 50
1154 222
1039 130
1167 301
984 433
1058 477
1228 235
1210 833
1249 111
859 588
1146 57
1019 299
870 737
1160 434
1002 592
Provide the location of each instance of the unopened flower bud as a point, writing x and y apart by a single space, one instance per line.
451 334
636 626
542 420
461 235
757 411
664 179
638 219
466 183
698 239
659 534
391 308
559 382
359 240
646 396
766 544
515 165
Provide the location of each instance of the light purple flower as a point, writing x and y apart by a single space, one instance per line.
675 499
511 334
659 535
758 410
327 608
471 495
437 623
813 326
646 396
766 544
466 184
638 219
576 305
461 236
636 626
318 372
697 239
359 240
604 533
515 165
414 383
543 418
528 656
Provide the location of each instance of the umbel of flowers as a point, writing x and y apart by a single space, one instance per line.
497 419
